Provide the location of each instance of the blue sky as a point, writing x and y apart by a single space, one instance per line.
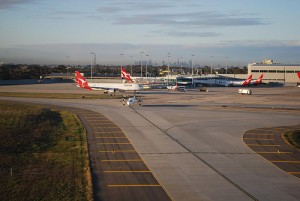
66 32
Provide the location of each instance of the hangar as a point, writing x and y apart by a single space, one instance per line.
275 72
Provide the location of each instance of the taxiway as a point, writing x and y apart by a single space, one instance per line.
193 142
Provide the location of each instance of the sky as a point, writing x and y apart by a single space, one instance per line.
215 32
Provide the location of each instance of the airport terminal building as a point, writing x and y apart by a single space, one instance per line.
274 72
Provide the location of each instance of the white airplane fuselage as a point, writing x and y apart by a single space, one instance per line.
117 86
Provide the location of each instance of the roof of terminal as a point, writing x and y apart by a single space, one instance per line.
298 65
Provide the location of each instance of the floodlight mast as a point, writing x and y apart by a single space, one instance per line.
93 62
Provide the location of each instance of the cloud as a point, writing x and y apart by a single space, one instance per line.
176 33
261 43
193 19
10 3
109 10
115 8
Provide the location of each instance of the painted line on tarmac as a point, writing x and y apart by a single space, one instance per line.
259 134
117 137
134 185
116 151
278 152
113 143
294 173
285 161
127 171
264 145
258 139
132 160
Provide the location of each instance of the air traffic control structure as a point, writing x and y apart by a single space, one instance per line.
275 72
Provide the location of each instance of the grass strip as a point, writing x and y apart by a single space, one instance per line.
43 154
60 95
293 138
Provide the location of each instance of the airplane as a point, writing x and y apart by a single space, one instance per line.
133 100
107 87
126 75
240 83
145 81
258 81
177 88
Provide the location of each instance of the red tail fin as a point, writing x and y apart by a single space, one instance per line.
298 74
81 82
126 75
259 80
246 82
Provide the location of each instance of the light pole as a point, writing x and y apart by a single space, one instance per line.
168 68
180 63
226 66
122 64
147 65
131 61
193 65
142 64
211 58
68 57
93 62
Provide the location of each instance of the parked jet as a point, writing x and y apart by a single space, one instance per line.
126 75
258 81
107 87
239 83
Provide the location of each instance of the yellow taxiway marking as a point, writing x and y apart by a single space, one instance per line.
130 160
106 127
264 145
115 151
258 139
285 161
113 137
293 172
114 143
126 171
101 123
277 152
134 185
259 134
95 118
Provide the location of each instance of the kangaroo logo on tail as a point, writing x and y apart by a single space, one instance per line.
126 75
81 82
246 82
259 80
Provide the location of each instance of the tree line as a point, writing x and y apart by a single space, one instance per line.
21 71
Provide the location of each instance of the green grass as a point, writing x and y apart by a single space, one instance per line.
36 160
60 95
293 138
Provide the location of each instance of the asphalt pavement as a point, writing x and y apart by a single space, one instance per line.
195 144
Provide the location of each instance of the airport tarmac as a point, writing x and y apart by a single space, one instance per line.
192 142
